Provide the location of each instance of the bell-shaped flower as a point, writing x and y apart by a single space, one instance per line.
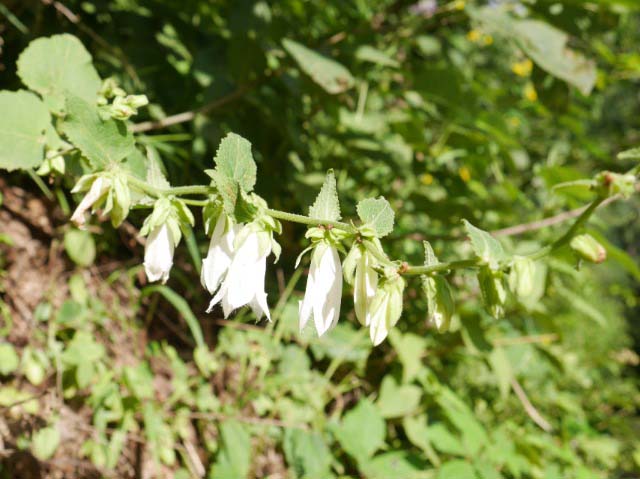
365 285
220 255
244 280
98 190
158 253
386 309
324 289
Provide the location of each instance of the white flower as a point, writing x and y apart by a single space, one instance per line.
324 289
244 281
98 188
158 254
386 309
364 288
220 254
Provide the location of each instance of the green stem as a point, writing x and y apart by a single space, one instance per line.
571 232
283 215
175 190
440 267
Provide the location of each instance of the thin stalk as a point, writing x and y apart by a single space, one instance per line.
440 267
283 215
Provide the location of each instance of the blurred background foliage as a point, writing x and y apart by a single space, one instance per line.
450 110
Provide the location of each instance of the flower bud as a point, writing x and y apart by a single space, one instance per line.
588 248
386 308
492 290
522 277
609 184
158 254
98 190
439 301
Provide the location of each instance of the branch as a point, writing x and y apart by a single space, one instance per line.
545 222
529 408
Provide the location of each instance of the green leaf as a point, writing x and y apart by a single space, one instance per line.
397 400
395 464
377 212
362 431
9 360
234 458
444 441
329 74
367 53
410 348
502 369
80 246
474 436
485 246
235 161
103 142
23 126
417 432
139 380
45 442
307 454
327 206
458 469
544 44
57 65
632 154
181 306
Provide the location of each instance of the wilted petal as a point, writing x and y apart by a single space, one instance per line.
99 187
158 254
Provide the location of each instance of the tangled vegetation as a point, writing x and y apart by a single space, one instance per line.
468 168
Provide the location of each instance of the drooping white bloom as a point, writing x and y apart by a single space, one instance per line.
386 309
158 254
244 280
220 254
324 289
364 288
98 188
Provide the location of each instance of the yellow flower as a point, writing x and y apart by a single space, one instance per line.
473 36
530 92
459 4
465 174
487 40
426 179
523 68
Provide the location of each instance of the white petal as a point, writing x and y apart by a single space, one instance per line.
378 330
365 285
98 188
219 256
306 305
158 255
259 302
327 292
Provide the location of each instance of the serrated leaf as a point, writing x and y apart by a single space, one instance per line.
235 161
103 142
227 188
327 206
57 65
430 258
377 212
23 130
485 246
332 76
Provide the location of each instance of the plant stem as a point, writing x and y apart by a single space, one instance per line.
436 268
566 238
283 215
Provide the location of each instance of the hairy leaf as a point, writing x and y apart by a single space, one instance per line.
377 212
327 206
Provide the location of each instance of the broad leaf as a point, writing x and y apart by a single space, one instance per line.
377 212
103 142
235 161
56 66
307 454
327 206
362 431
328 73
234 457
23 130
485 246
397 400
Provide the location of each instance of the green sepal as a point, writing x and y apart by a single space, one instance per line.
492 290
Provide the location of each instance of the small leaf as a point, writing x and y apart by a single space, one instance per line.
227 188
377 212
486 247
457 468
430 258
367 53
23 126
328 73
45 442
57 65
234 457
9 360
327 206
397 400
307 454
80 247
103 142
362 431
235 161
632 154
